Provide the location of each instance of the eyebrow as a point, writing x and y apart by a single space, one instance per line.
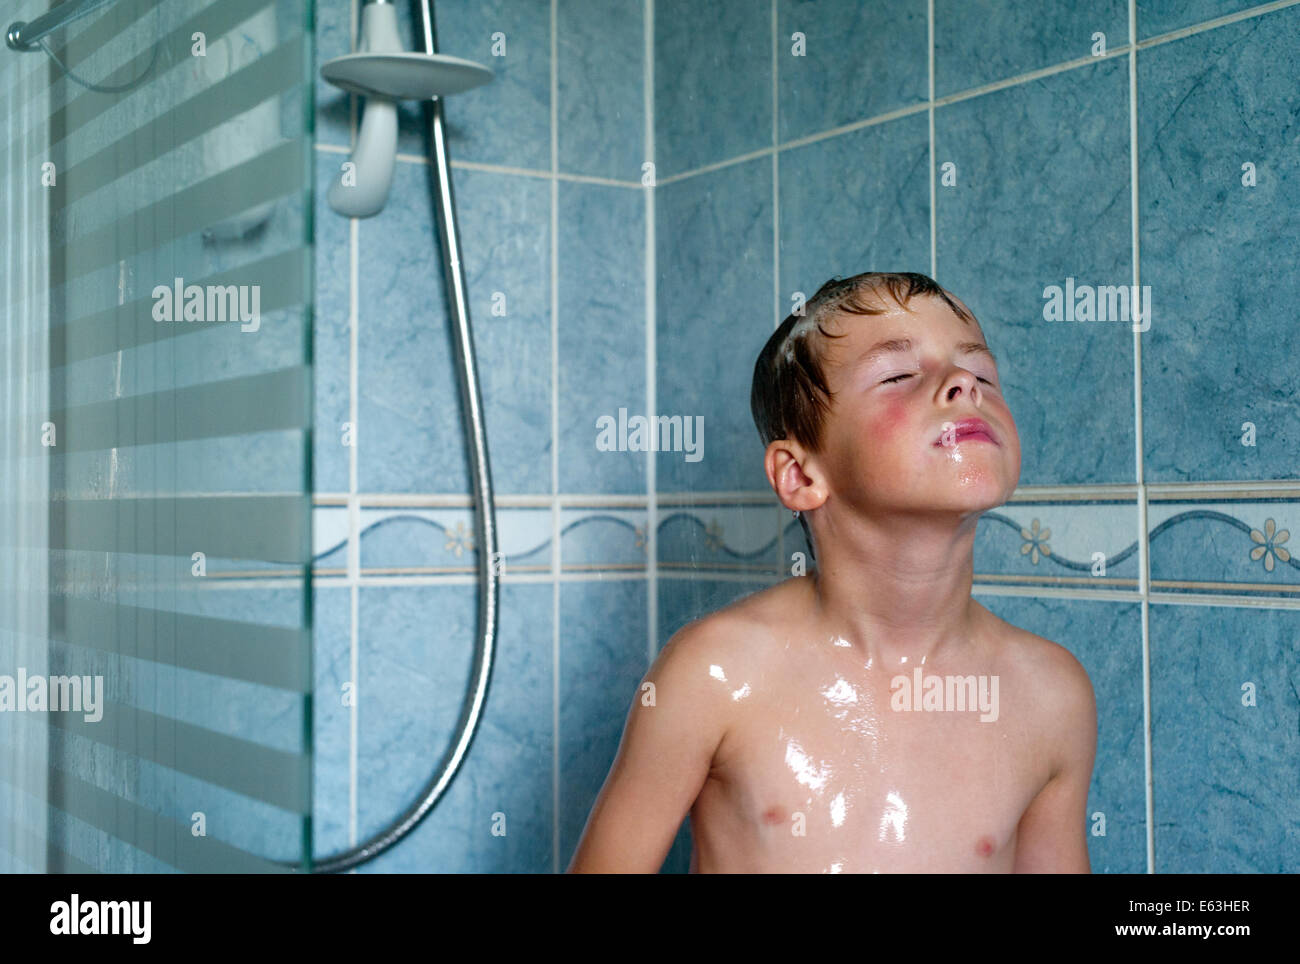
906 344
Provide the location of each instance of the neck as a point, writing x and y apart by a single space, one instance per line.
896 590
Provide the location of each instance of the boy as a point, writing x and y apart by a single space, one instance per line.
802 727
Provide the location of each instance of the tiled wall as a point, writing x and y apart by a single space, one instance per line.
773 172
554 238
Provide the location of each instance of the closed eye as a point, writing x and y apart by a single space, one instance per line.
909 375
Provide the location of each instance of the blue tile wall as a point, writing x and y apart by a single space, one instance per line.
1161 16
714 312
1041 195
496 816
334 694
331 331
407 412
507 268
602 333
713 82
601 98
852 61
1224 739
603 656
413 669
336 28
1033 185
1218 102
978 42
507 121
854 200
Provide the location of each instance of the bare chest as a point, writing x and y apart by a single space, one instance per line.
826 771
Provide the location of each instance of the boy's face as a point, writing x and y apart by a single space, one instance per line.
885 445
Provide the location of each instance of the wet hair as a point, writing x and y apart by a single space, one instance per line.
790 398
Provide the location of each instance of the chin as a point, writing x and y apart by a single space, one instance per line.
982 490
975 497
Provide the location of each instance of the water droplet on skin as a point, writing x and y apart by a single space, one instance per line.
806 771
838 809
841 692
893 819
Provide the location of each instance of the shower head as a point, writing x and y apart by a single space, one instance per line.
384 73
404 76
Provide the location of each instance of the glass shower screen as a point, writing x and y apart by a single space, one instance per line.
155 460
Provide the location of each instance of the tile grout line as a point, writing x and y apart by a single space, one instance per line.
1144 554
354 509
1098 493
650 192
1165 597
555 454
778 317
934 217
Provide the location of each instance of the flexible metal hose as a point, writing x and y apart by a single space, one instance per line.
485 507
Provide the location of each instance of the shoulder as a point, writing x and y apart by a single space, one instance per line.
725 631
1065 679
730 638
1058 668
1047 667
1056 685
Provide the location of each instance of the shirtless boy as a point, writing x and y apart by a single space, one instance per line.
783 722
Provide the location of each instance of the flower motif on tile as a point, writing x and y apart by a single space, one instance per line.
1037 542
713 535
1270 544
458 539
639 532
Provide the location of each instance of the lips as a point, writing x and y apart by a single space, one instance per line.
971 429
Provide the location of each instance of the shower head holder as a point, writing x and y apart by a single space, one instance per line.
383 73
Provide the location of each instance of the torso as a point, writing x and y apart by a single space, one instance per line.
816 773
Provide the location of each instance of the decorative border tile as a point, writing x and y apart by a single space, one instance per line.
603 537
441 540
721 537
329 540
1229 546
1233 546
1088 544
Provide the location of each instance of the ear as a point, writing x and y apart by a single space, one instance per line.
794 475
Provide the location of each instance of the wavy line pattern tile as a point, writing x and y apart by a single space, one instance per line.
1238 548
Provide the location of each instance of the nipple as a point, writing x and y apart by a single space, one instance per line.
985 846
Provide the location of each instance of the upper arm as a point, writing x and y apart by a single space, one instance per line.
1052 834
672 730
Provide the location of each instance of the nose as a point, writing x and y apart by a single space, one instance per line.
958 382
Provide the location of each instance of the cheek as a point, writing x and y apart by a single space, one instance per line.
888 423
